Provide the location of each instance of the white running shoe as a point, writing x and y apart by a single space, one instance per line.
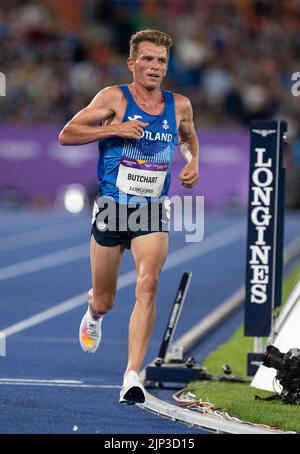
132 390
90 332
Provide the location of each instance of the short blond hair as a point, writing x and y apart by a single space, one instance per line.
154 36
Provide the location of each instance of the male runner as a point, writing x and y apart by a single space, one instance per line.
137 127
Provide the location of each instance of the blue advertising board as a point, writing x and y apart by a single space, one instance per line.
265 226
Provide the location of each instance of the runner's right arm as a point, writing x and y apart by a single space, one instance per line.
88 124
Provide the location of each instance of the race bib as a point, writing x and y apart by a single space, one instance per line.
140 177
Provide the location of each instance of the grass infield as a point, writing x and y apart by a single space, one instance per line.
238 399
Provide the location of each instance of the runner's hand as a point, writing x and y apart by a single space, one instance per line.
132 129
189 175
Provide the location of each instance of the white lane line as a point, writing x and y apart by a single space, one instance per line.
38 380
59 385
209 244
45 235
31 225
124 281
48 340
66 341
59 309
44 262
216 240
74 253
53 383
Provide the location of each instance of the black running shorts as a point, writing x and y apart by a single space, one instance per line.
114 224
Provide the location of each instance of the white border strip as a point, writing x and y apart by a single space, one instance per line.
191 418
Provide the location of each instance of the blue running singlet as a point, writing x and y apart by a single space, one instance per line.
130 167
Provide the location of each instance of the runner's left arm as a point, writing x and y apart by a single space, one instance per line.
189 176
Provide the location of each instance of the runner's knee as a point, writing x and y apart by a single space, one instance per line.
146 287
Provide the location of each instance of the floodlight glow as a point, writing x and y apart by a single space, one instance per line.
74 200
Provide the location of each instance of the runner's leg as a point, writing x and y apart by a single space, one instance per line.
105 263
149 252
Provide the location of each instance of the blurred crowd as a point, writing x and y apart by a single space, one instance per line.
233 58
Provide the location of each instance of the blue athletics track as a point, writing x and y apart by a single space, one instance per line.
47 384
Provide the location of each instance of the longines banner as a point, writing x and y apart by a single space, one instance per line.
265 226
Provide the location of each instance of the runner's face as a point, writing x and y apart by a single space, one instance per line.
150 65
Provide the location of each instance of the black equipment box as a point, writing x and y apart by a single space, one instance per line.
173 373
